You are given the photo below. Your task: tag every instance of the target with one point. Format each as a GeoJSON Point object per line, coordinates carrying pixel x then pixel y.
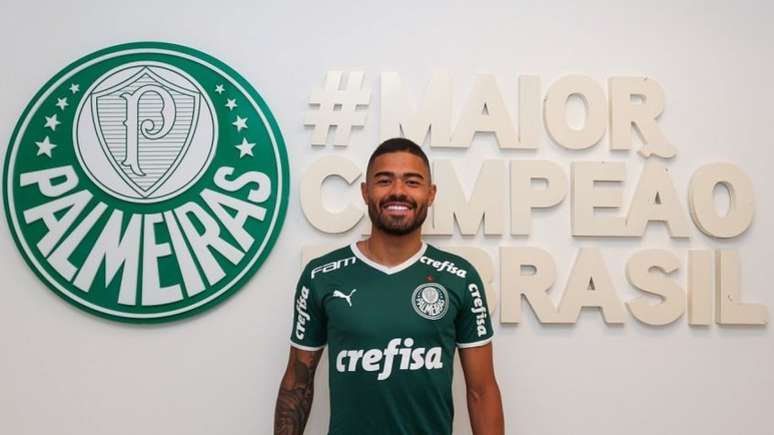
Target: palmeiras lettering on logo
{"type": "Point", "coordinates": [430, 301]}
{"type": "Point", "coordinates": [146, 182]}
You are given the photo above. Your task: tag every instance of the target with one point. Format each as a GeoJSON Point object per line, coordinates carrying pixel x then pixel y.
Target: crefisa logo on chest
{"type": "Point", "coordinates": [146, 182]}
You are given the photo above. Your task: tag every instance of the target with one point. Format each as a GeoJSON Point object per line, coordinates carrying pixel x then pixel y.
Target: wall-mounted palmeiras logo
{"type": "Point", "coordinates": [146, 182]}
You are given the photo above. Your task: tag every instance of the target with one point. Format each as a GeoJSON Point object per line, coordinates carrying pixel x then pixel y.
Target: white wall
{"type": "Point", "coordinates": [66, 372]}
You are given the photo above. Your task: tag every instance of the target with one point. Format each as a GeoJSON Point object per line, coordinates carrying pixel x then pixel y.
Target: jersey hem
{"type": "Point", "coordinates": [475, 343]}
{"type": "Point", "coordinates": [307, 348]}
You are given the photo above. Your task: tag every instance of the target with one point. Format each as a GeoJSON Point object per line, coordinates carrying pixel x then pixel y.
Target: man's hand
{"type": "Point", "coordinates": [484, 403]}
{"type": "Point", "coordinates": [296, 391]}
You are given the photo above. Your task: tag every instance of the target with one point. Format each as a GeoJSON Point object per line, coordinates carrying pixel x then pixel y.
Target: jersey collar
{"type": "Point", "coordinates": [388, 270]}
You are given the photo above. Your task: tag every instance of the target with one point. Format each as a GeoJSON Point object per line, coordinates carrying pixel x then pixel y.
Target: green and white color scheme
{"type": "Point", "coordinates": [146, 182]}
{"type": "Point", "coordinates": [391, 334]}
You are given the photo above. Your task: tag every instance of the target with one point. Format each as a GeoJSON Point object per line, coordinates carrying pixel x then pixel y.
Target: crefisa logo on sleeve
{"type": "Point", "coordinates": [146, 182]}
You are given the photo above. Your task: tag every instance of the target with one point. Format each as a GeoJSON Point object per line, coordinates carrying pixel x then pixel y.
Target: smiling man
{"type": "Point", "coordinates": [392, 311]}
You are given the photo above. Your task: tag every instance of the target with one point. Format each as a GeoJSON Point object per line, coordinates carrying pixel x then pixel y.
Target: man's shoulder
{"type": "Point", "coordinates": [450, 262]}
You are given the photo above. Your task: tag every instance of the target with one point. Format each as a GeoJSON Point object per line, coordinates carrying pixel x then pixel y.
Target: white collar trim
{"type": "Point", "coordinates": [386, 269]}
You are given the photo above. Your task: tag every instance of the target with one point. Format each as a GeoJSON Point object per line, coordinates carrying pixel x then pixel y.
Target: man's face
{"type": "Point", "coordinates": [398, 192]}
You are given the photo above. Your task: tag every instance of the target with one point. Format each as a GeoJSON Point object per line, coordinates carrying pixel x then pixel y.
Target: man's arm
{"type": "Point", "coordinates": [294, 400]}
{"type": "Point", "coordinates": [484, 403]}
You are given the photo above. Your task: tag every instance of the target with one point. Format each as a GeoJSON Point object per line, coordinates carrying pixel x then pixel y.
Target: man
{"type": "Point", "coordinates": [391, 310]}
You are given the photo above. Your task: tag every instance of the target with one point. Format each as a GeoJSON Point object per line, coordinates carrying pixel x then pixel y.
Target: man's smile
{"type": "Point", "coordinates": [397, 208]}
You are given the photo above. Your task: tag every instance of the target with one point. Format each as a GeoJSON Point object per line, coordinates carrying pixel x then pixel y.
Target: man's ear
{"type": "Point", "coordinates": [433, 190]}
{"type": "Point", "coordinates": [364, 192]}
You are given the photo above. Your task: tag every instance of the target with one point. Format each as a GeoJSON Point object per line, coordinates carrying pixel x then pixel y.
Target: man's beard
{"type": "Point", "coordinates": [396, 226]}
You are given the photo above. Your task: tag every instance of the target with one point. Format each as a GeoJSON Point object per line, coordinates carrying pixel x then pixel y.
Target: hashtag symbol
{"type": "Point", "coordinates": [334, 107]}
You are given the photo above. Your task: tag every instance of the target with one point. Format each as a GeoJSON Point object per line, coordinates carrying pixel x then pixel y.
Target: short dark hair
{"type": "Point", "coordinates": [395, 145]}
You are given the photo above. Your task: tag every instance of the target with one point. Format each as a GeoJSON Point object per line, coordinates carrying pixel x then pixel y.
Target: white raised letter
{"type": "Point", "coordinates": [433, 115]}
{"type": "Point", "coordinates": [589, 285]}
{"type": "Point", "coordinates": [640, 273]}
{"type": "Point", "coordinates": [316, 213]}
{"type": "Point", "coordinates": [45, 180]}
{"type": "Point", "coordinates": [701, 199]}
{"type": "Point", "coordinates": [73, 203]}
{"type": "Point", "coordinates": [555, 110]}
{"type": "Point", "coordinates": [116, 251]}
{"type": "Point", "coordinates": [485, 112]}
{"type": "Point", "coordinates": [487, 200]}
{"type": "Point", "coordinates": [586, 198]}
{"type": "Point", "coordinates": [655, 200]}
{"type": "Point", "coordinates": [524, 197]}
{"type": "Point", "coordinates": [152, 291]}
{"type": "Point", "coordinates": [202, 242]}
{"type": "Point", "coordinates": [60, 258]}
{"type": "Point", "coordinates": [728, 280]}
{"type": "Point", "coordinates": [514, 263]}
{"type": "Point", "coordinates": [626, 114]}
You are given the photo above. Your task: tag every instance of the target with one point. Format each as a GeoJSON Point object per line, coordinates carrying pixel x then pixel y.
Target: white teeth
{"type": "Point", "coordinates": [397, 207]}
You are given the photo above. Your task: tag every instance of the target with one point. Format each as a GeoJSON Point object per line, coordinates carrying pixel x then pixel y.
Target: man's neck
{"type": "Point", "coordinates": [389, 250]}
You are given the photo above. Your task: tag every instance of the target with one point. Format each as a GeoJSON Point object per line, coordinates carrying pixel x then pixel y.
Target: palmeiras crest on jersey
{"type": "Point", "coordinates": [430, 301]}
{"type": "Point", "coordinates": [146, 182]}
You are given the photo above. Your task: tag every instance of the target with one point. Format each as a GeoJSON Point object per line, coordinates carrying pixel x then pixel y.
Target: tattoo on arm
{"type": "Point", "coordinates": [294, 400]}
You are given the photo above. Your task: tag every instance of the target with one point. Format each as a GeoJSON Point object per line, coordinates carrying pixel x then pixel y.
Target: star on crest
{"type": "Point", "coordinates": [52, 122]}
{"type": "Point", "coordinates": [240, 123]}
{"type": "Point", "coordinates": [74, 88]}
{"type": "Point", "coordinates": [231, 103]}
{"type": "Point", "coordinates": [245, 148]}
{"type": "Point", "coordinates": [45, 146]}
{"type": "Point", "coordinates": [219, 89]}
{"type": "Point", "coordinates": [61, 103]}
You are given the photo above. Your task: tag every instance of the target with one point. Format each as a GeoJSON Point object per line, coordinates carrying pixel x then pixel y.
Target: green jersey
{"type": "Point", "coordinates": [391, 334]}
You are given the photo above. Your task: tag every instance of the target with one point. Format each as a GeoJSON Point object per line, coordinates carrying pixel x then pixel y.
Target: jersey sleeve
{"type": "Point", "coordinates": [473, 324]}
{"type": "Point", "coordinates": [309, 322]}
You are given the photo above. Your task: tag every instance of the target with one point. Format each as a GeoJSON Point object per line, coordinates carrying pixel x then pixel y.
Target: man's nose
{"type": "Point", "coordinates": [398, 188]}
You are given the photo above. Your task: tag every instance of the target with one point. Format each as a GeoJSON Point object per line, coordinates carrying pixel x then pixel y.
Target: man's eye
{"type": "Point", "coordinates": [413, 183]}
{"type": "Point", "coordinates": [383, 181]}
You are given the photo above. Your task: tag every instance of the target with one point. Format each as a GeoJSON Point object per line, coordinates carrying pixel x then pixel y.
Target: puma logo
{"type": "Point", "coordinates": [338, 294]}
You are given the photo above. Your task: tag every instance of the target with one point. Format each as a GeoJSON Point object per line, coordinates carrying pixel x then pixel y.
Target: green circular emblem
{"type": "Point", "coordinates": [430, 301]}
{"type": "Point", "coordinates": [146, 182]}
